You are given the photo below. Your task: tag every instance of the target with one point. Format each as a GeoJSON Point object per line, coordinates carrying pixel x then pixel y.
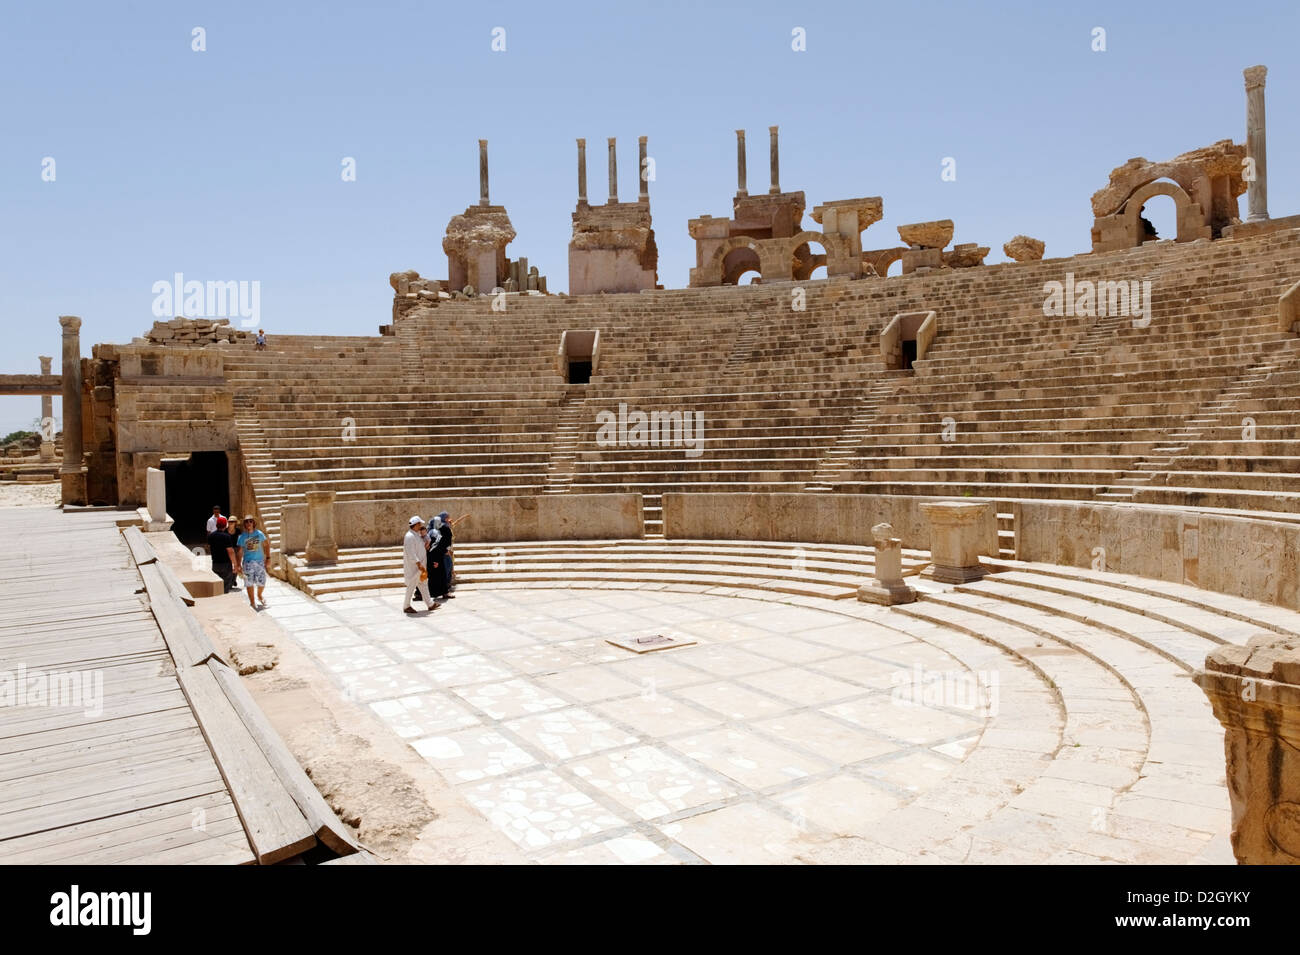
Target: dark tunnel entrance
{"type": "Point", "coordinates": [194, 485]}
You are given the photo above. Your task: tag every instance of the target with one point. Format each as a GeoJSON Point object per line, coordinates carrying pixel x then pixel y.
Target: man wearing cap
{"type": "Point", "coordinates": [222, 547]}
{"type": "Point", "coordinates": [251, 553]}
{"type": "Point", "coordinates": [415, 567]}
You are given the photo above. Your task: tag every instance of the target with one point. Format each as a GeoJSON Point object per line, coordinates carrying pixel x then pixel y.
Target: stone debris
{"type": "Point", "coordinates": [927, 235]}
{"type": "Point", "coordinates": [1023, 248]}
{"type": "Point", "coordinates": [194, 331]}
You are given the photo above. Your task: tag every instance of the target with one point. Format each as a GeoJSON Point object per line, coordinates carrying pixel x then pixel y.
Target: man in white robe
{"type": "Point", "coordinates": [415, 568]}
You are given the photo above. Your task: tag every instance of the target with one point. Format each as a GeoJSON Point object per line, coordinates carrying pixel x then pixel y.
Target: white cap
{"type": "Point", "coordinates": [417, 519]}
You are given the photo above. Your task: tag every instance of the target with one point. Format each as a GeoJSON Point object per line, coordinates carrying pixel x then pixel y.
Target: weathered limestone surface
{"type": "Point", "coordinates": [194, 331]}
{"type": "Point", "coordinates": [965, 256]}
{"type": "Point", "coordinates": [1023, 248]}
{"type": "Point", "coordinates": [1251, 558]}
{"type": "Point", "coordinates": [927, 235]}
{"type": "Point", "coordinates": [509, 518]}
{"type": "Point", "coordinates": [612, 249]}
{"type": "Point", "coordinates": [322, 546]}
{"type": "Point", "coordinates": [1220, 159]}
{"type": "Point", "coordinates": [820, 518]}
{"type": "Point", "coordinates": [957, 539]}
{"type": "Point", "coordinates": [1255, 692]}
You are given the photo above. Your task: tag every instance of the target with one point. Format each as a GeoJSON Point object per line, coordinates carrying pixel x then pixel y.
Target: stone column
{"type": "Point", "coordinates": [958, 535]}
{"type": "Point", "coordinates": [776, 164]}
{"type": "Point", "coordinates": [644, 195]}
{"type": "Point", "coordinates": [582, 172]}
{"type": "Point", "coordinates": [1257, 191]}
{"type": "Point", "coordinates": [1255, 693]}
{"type": "Point", "coordinates": [740, 163]}
{"type": "Point", "coordinates": [888, 587]}
{"type": "Point", "coordinates": [613, 172]}
{"type": "Point", "coordinates": [483, 174]}
{"type": "Point", "coordinates": [73, 473]}
{"type": "Point", "coordinates": [322, 547]}
{"type": "Point", "coordinates": [47, 415]}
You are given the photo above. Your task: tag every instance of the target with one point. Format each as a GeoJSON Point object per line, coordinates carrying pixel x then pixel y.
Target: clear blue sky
{"type": "Point", "coordinates": [225, 164]}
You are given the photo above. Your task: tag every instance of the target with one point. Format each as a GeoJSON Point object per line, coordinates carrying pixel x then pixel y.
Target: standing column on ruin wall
{"type": "Point", "coordinates": [644, 194]}
{"type": "Point", "coordinates": [582, 171]}
{"type": "Point", "coordinates": [73, 474]}
{"type": "Point", "coordinates": [740, 163]}
{"type": "Point", "coordinates": [47, 414]}
{"type": "Point", "coordinates": [776, 164]}
{"type": "Point", "coordinates": [483, 174]}
{"type": "Point", "coordinates": [1255, 148]}
{"type": "Point", "coordinates": [613, 172]}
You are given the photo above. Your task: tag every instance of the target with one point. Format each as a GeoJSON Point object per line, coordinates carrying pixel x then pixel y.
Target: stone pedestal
{"type": "Point", "coordinates": [322, 546]}
{"type": "Point", "coordinates": [887, 587]}
{"type": "Point", "coordinates": [957, 533]}
{"type": "Point", "coordinates": [1255, 693]}
{"type": "Point", "coordinates": [154, 513]}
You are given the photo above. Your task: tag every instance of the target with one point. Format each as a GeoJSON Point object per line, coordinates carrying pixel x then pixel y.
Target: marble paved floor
{"type": "Point", "coordinates": [783, 726]}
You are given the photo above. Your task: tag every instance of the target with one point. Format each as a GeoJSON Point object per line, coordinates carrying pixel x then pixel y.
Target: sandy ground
{"type": "Point", "coordinates": [401, 807]}
{"type": "Point", "coordinates": [13, 494]}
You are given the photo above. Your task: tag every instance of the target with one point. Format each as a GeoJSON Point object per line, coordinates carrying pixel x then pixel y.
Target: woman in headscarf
{"type": "Point", "coordinates": [439, 561]}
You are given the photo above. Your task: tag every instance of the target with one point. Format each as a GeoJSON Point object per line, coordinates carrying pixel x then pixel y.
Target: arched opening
{"type": "Point", "coordinates": [737, 262]}
{"type": "Point", "coordinates": [1160, 213]}
{"type": "Point", "coordinates": [749, 277]}
{"type": "Point", "coordinates": [895, 267]}
{"type": "Point", "coordinates": [808, 261]}
{"type": "Point", "coordinates": [194, 485]}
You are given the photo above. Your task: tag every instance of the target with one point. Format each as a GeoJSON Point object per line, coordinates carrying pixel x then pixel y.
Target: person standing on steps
{"type": "Point", "coordinates": [415, 567]}
{"type": "Point", "coordinates": [222, 547]}
{"type": "Point", "coordinates": [252, 551]}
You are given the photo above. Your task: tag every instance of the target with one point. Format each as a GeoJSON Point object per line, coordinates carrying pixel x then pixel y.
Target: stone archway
{"type": "Point", "coordinates": [1190, 219]}
{"type": "Point", "coordinates": [733, 258]}
{"type": "Point", "coordinates": [1123, 230]}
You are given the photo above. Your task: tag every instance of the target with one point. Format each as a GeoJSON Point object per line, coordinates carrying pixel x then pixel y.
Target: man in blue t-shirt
{"type": "Point", "coordinates": [251, 550]}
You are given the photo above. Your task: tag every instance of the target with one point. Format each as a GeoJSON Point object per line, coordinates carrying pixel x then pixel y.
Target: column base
{"type": "Point", "coordinates": [322, 554]}
{"type": "Point", "coordinates": [877, 592]}
{"type": "Point", "coordinates": [74, 487]}
{"type": "Point", "coordinates": [959, 575]}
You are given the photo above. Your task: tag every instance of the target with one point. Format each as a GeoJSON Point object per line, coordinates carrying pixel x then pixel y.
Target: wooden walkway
{"type": "Point", "coordinates": [127, 778]}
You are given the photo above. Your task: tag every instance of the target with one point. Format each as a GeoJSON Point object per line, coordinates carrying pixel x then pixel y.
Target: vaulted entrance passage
{"type": "Point", "coordinates": [578, 355]}
{"type": "Point", "coordinates": [906, 338]}
{"type": "Point", "coordinates": [194, 485]}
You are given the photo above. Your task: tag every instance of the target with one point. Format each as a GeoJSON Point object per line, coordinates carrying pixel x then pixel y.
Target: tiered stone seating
{"type": "Point", "coordinates": [1043, 418]}
{"type": "Point", "coordinates": [465, 400]}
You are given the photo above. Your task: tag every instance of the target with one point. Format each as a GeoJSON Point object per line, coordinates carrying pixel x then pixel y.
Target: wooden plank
{"type": "Point", "coordinates": [328, 828]}
{"type": "Point", "coordinates": [141, 552]}
{"type": "Point", "coordinates": [276, 827]}
{"type": "Point", "coordinates": [33, 743]}
{"type": "Point", "coordinates": [188, 644]}
{"type": "Point", "coordinates": [84, 842]}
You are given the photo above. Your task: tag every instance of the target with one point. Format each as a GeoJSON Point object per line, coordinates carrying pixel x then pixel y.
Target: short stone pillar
{"type": "Point", "coordinates": [887, 587]}
{"type": "Point", "coordinates": [47, 414]}
{"type": "Point", "coordinates": [322, 548]}
{"type": "Point", "coordinates": [153, 516]}
{"type": "Point", "coordinates": [73, 472]}
{"type": "Point", "coordinates": [957, 536]}
{"type": "Point", "coordinates": [1255, 693]}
